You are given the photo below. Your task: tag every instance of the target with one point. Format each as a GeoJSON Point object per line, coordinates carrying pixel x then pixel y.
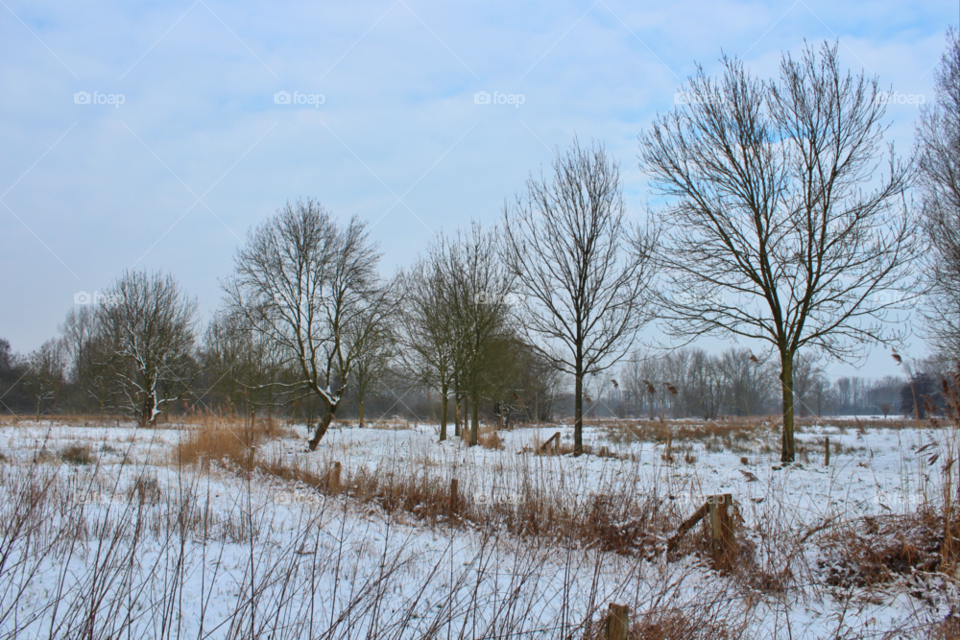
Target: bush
{"type": "Point", "coordinates": [79, 454]}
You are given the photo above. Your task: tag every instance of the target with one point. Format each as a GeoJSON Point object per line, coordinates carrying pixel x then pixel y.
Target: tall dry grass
{"type": "Point", "coordinates": [532, 547]}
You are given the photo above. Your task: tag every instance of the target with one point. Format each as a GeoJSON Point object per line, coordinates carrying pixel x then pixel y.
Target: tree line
{"type": "Point", "coordinates": [783, 219]}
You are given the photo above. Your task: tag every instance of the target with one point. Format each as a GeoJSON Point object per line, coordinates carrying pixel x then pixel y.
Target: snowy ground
{"type": "Point", "coordinates": [171, 552]}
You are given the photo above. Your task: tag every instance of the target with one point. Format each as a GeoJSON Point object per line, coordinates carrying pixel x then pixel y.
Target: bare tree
{"type": "Point", "coordinates": [938, 159]}
{"type": "Point", "coordinates": [76, 332]}
{"type": "Point", "coordinates": [482, 294]}
{"type": "Point", "coordinates": [809, 383]}
{"type": "Point", "coordinates": [242, 364]}
{"type": "Point", "coordinates": [780, 229]}
{"type": "Point", "coordinates": [707, 390]}
{"type": "Point", "coordinates": [751, 381]}
{"type": "Point", "coordinates": [148, 323]}
{"type": "Point", "coordinates": [312, 289]}
{"type": "Point", "coordinates": [428, 328]}
{"type": "Point", "coordinates": [45, 375]}
{"type": "Point", "coordinates": [375, 352]}
{"type": "Point", "coordinates": [584, 296]}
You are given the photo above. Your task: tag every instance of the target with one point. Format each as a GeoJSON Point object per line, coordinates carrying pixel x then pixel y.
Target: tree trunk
{"type": "Point", "coordinates": [443, 413]}
{"type": "Point", "coordinates": [361, 414]}
{"type": "Point", "coordinates": [475, 421]}
{"type": "Point", "coordinates": [578, 409]}
{"type": "Point", "coordinates": [456, 413]}
{"type": "Point", "coordinates": [322, 426]}
{"type": "Point", "coordinates": [786, 378]}
{"type": "Point", "coordinates": [148, 406]}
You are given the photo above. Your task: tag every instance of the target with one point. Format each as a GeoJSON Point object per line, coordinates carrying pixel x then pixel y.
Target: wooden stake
{"type": "Point", "coordinates": [554, 438]}
{"type": "Point", "coordinates": [721, 528]}
{"type": "Point", "coordinates": [698, 515]}
{"type": "Point", "coordinates": [333, 479]}
{"type": "Point", "coordinates": [454, 497]}
{"type": "Point", "coordinates": [618, 622]}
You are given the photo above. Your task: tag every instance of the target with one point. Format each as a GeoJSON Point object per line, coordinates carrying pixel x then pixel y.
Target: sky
{"type": "Point", "coordinates": [154, 135]}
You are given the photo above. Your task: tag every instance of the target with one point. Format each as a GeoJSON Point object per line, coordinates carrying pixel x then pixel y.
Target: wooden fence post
{"type": "Point", "coordinates": [618, 622]}
{"type": "Point", "coordinates": [826, 454]}
{"type": "Point", "coordinates": [721, 528]}
{"type": "Point", "coordinates": [554, 438]}
{"type": "Point", "coordinates": [454, 497]}
{"type": "Point", "coordinates": [333, 480]}
{"type": "Point", "coordinates": [688, 524]}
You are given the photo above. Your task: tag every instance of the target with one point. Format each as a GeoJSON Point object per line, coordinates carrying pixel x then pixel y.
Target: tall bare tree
{"type": "Point", "coordinates": [778, 208]}
{"type": "Point", "coordinates": [583, 276]}
{"type": "Point", "coordinates": [45, 375]}
{"type": "Point", "coordinates": [311, 287]}
{"type": "Point", "coordinates": [148, 323]}
{"type": "Point", "coordinates": [482, 295]}
{"type": "Point", "coordinates": [427, 334]}
{"type": "Point", "coordinates": [241, 364]}
{"type": "Point", "coordinates": [375, 353]}
{"type": "Point", "coordinates": [938, 160]}
{"type": "Point", "coordinates": [751, 380]}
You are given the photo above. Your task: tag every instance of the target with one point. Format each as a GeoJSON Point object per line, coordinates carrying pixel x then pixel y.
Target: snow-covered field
{"type": "Point", "coordinates": [123, 541]}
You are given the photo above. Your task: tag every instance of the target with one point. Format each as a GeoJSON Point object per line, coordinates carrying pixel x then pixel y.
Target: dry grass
{"type": "Point", "coordinates": [77, 454]}
{"type": "Point", "coordinates": [626, 516]}
{"type": "Point", "coordinates": [490, 439]}
{"type": "Point", "coordinates": [878, 550]}
{"type": "Point", "coordinates": [561, 448]}
{"type": "Point", "coordinates": [217, 439]}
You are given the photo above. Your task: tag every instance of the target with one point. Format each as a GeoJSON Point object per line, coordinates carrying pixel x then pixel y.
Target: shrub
{"type": "Point", "coordinates": [76, 453]}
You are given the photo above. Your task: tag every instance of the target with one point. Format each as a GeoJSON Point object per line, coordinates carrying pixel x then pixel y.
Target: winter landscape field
{"type": "Point", "coordinates": [109, 531]}
{"type": "Point", "coordinates": [420, 320]}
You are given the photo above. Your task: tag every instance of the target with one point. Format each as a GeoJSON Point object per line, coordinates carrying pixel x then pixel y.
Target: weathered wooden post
{"type": "Point", "coordinates": [618, 622]}
{"type": "Point", "coordinates": [454, 497]}
{"type": "Point", "coordinates": [721, 528]}
{"type": "Point", "coordinates": [554, 438]}
{"type": "Point", "coordinates": [333, 479]}
{"type": "Point", "coordinates": [826, 452]}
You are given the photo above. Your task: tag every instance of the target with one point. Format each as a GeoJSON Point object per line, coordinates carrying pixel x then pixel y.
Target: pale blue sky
{"type": "Point", "coordinates": [199, 151]}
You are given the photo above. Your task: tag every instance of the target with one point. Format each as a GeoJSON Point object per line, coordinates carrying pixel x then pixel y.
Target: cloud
{"type": "Point", "coordinates": [398, 117]}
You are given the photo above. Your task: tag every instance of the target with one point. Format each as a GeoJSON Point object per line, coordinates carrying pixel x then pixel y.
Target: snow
{"type": "Point", "coordinates": [332, 565]}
